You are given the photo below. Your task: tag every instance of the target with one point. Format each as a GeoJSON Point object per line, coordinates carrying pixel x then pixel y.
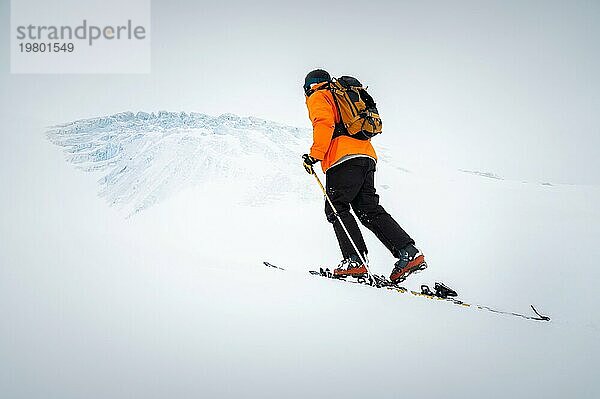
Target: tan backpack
{"type": "Point", "coordinates": [357, 109]}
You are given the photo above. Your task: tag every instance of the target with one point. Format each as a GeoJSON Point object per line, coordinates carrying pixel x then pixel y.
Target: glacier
{"type": "Point", "coordinates": [142, 158]}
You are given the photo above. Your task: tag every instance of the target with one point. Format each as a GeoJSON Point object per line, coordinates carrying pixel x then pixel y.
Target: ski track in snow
{"type": "Point", "coordinates": [143, 158]}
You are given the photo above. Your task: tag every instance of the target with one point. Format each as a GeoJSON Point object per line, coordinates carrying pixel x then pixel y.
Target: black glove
{"type": "Point", "coordinates": [308, 163]}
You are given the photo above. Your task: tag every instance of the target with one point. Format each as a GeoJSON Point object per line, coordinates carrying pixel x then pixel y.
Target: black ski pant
{"type": "Point", "coordinates": [352, 184]}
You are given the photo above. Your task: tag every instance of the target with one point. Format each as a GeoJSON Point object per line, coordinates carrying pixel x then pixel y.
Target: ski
{"type": "Point", "coordinates": [440, 292]}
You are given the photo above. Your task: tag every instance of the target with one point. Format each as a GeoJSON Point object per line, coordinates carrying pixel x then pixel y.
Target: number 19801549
{"type": "Point", "coordinates": [46, 47]}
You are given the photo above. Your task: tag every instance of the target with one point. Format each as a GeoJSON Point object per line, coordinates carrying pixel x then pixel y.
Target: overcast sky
{"type": "Point", "coordinates": [505, 86]}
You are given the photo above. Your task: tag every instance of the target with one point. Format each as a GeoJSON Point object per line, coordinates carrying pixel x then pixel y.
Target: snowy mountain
{"type": "Point", "coordinates": [143, 158]}
{"type": "Point", "coordinates": [140, 159]}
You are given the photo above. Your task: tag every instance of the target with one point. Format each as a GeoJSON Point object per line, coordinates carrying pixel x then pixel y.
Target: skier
{"type": "Point", "coordinates": [349, 167]}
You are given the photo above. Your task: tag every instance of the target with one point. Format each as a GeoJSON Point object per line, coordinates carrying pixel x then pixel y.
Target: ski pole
{"type": "Point", "coordinates": [362, 259]}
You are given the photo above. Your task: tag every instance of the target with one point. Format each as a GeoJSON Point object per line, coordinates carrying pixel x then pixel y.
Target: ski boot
{"type": "Point", "coordinates": [352, 266]}
{"type": "Point", "coordinates": [410, 260]}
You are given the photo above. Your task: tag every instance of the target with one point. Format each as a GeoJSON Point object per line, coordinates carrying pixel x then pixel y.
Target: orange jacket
{"type": "Point", "coordinates": [323, 114]}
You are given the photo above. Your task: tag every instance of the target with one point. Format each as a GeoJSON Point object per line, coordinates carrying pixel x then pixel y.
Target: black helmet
{"type": "Point", "coordinates": [316, 76]}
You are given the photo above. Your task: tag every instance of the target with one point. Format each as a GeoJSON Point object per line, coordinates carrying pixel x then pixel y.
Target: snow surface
{"type": "Point", "coordinates": [175, 303]}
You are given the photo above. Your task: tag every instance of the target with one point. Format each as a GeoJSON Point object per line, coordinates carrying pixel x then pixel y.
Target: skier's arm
{"type": "Point", "coordinates": [320, 112]}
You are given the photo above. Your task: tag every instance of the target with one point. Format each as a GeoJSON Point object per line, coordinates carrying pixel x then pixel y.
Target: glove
{"type": "Point", "coordinates": [308, 163]}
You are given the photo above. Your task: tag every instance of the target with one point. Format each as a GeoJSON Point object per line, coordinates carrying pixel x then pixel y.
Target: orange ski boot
{"type": "Point", "coordinates": [352, 267]}
{"type": "Point", "coordinates": [410, 260]}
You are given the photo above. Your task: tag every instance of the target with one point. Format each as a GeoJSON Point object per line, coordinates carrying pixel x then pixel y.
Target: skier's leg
{"type": "Point", "coordinates": [343, 184]}
{"type": "Point", "coordinates": [374, 217]}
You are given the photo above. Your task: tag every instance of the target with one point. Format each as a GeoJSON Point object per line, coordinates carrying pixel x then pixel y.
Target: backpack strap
{"type": "Point", "coordinates": [340, 128]}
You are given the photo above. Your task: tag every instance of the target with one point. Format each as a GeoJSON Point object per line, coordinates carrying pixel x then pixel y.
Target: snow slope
{"type": "Point", "coordinates": [174, 302]}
